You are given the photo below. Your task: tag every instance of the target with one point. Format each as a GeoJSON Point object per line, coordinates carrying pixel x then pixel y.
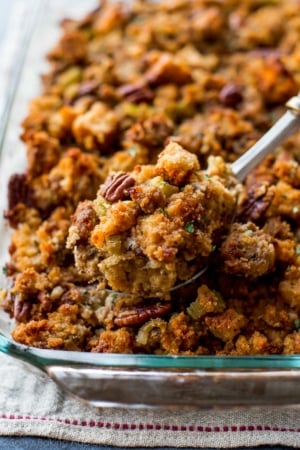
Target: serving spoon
{"type": "Point", "coordinates": [282, 129]}
{"type": "Point", "coordinates": [285, 127]}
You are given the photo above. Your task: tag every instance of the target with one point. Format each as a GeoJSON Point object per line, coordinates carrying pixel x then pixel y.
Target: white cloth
{"type": "Point", "coordinates": [31, 404]}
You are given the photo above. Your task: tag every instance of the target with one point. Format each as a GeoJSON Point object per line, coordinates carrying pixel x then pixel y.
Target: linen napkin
{"type": "Point", "coordinates": [31, 404]}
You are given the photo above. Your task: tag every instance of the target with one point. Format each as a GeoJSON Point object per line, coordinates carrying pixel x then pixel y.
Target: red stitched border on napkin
{"type": "Point", "coordinates": [147, 426]}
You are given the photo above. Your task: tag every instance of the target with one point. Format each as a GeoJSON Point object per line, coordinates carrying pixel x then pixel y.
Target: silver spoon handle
{"type": "Point", "coordinates": [280, 131]}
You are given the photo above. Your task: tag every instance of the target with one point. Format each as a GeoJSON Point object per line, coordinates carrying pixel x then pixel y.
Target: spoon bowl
{"type": "Point", "coordinates": [283, 128]}
{"type": "Point", "coordinates": [170, 207]}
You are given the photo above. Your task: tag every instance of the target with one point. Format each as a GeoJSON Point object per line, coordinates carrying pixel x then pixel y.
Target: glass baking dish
{"type": "Point", "coordinates": [114, 379]}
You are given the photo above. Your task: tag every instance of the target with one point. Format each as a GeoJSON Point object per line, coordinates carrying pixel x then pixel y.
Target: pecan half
{"type": "Point", "coordinates": [87, 88]}
{"type": "Point", "coordinates": [18, 191]}
{"type": "Point", "coordinates": [116, 187]}
{"type": "Point", "coordinates": [139, 314]}
{"type": "Point", "coordinates": [85, 219]}
{"type": "Point", "coordinates": [21, 309]}
{"type": "Point", "coordinates": [256, 204]}
{"type": "Point", "coordinates": [231, 95]}
{"type": "Point", "coordinates": [45, 300]}
{"type": "Point", "coordinates": [136, 93]}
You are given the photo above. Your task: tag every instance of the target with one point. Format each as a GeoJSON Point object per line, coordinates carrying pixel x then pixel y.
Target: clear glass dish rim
{"type": "Point", "coordinates": [44, 357]}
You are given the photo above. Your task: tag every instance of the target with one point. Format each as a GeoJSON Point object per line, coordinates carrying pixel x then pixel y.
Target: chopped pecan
{"type": "Point", "coordinates": [139, 314]}
{"type": "Point", "coordinates": [71, 296]}
{"type": "Point", "coordinates": [45, 300]}
{"type": "Point", "coordinates": [21, 309]}
{"type": "Point", "coordinates": [256, 204]}
{"type": "Point", "coordinates": [85, 219]}
{"type": "Point", "coordinates": [18, 191]}
{"type": "Point", "coordinates": [136, 93]}
{"type": "Point", "coordinates": [116, 187]}
{"type": "Point", "coordinates": [87, 87]}
{"type": "Point", "coordinates": [231, 95]}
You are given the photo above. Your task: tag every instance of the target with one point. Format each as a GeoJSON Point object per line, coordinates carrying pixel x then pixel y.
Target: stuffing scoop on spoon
{"type": "Point", "coordinates": [152, 231]}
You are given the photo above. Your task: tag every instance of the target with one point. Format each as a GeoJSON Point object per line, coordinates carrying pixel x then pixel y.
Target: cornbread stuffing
{"type": "Point", "coordinates": [154, 226]}
{"type": "Point", "coordinates": [128, 185]}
